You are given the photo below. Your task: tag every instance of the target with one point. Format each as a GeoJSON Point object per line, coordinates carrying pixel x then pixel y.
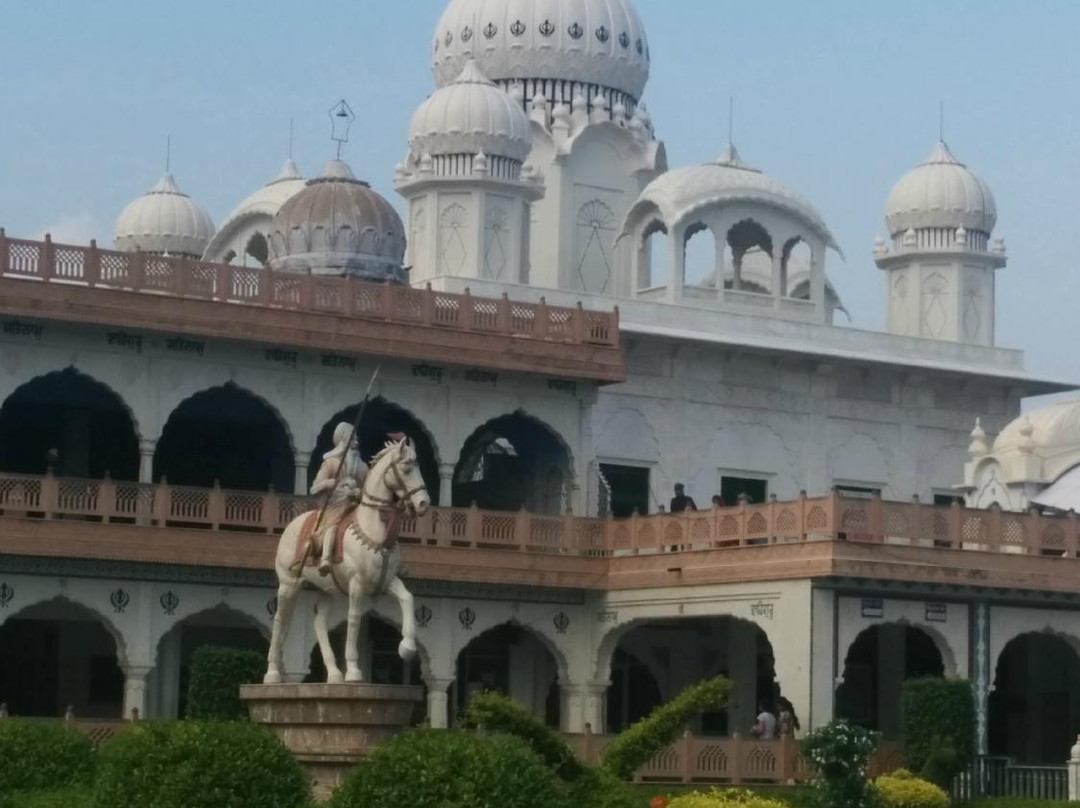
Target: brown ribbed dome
{"type": "Point", "coordinates": [338, 225]}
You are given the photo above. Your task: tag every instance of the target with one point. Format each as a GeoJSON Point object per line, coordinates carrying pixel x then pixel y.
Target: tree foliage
{"type": "Point", "coordinates": [216, 677]}
{"type": "Point", "coordinates": [37, 755]}
{"type": "Point", "coordinates": [938, 727]}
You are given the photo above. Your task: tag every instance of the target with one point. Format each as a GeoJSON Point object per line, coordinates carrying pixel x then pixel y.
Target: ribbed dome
{"type": "Point", "coordinates": [1045, 431]}
{"type": "Point", "coordinates": [943, 193]}
{"type": "Point", "coordinates": [337, 225]}
{"type": "Point", "coordinates": [470, 116]}
{"type": "Point", "coordinates": [683, 191]}
{"type": "Point", "coordinates": [164, 220]}
{"type": "Point", "coordinates": [594, 42]}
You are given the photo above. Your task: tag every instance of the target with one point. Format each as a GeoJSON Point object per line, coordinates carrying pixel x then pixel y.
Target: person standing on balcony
{"type": "Point", "coordinates": [765, 728]}
{"type": "Point", "coordinates": [787, 723]}
{"type": "Point", "coordinates": [681, 502]}
{"type": "Point", "coordinates": [342, 486]}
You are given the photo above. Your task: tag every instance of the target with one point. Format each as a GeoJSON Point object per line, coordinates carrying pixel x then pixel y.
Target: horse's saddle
{"type": "Point", "coordinates": [309, 548]}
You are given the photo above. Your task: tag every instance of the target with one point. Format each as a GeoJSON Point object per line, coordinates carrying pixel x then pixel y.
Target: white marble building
{"type": "Point", "coordinates": [534, 171]}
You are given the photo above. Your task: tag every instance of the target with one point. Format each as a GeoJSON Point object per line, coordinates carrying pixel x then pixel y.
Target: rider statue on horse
{"type": "Point", "coordinates": [341, 479]}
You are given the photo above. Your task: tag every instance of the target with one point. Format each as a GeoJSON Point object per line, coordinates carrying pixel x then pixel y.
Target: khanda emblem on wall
{"type": "Point", "coordinates": [562, 622]}
{"type": "Point", "coordinates": [119, 600]}
{"type": "Point", "coordinates": [468, 618]}
{"type": "Point", "coordinates": [7, 594]}
{"type": "Point", "coordinates": [170, 602]}
{"type": "Point", "coordinates": [424, 615]}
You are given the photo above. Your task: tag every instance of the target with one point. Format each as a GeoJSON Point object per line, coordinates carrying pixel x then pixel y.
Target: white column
{"type": "Point", "coordinates": [678, 266]}
{"type": "Point", "coordinates": [302, 462]}
{"type": "Point", "coordinates": [438, 702]}
{"type": "Point", "coordinates": [147, 447]}
{"type": "Point", "coordinates": [778, 271]}
{"type": "Point", "coordinates": [817, 279]}
{"type": "Point", "coordinates": [446, 485]}
{"type": "Point", "coordinates": [823, 661]}
{"type": "Point", "coordinates": [595, 706]}
{"type": "Point", "coordinates": [135, 691]}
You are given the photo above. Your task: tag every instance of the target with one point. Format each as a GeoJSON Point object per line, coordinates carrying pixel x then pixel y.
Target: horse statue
{"type": "Point", "coordinates": [370, 557]}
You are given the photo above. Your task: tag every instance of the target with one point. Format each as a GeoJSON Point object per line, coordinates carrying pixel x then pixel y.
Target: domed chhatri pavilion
{"type": "Point", "coordinates": [565, 329]}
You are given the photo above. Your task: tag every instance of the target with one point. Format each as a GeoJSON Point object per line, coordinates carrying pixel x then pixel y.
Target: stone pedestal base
{"type": "Point", "coordinates": [330, 727]}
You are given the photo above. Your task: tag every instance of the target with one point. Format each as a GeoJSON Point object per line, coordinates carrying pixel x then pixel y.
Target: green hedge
{"type": "Point", "coordinates": [638, 743]}
{"type": "Point", "coordinates": [938, 727]}
{"type": "Point", "coordinates": [197, 764]}
{"type": "Point", "coordinates": [216, 677]}
{"type": "Point", "coordinates": [36, 755]}
{"type": "Point", "coordinates": [452, 769]}
{"type": "Point", "coordinates": [71, 797]}
{"type": "Point", "coordinates": [902, 789]}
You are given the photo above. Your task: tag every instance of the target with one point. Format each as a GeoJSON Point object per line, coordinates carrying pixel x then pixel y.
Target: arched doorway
{"type": "Point", "coordinates": [656, 660]}
{"type": "Point", "coordinates": [72, 423]}
{"type": "Point", "coordinates": [219, 626]}
{"type": "Point", "coordinates": [56, 655]}
{"type": "Point", "coordinates": [379, 658]}
{"type": "Point", "coordinates": [513, 462]}
{"type": "Point", "coordinates": [878, 663]}
{"type": "Point", "coordinates": [1034, 708]}
{"type": "Point", "coordinates": [229, 435]}
{"type": "Point", "coordinates": [511, 660]}
{"type": "Point", "coordinates": [382, 418]}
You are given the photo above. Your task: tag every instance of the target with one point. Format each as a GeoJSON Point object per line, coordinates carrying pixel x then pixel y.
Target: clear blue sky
{"type": "Point", "coordinates": [837, 99]}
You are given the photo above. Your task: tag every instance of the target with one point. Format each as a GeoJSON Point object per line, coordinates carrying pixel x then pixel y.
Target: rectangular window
{"type": "Point", "coordinates": [629, 488]}
{"type": "Point", "coordinates": [948, 499]}
{"type": "Point", "coordinates": [858, 491]}
{"type": "Point", "coordinates": [731, 488]}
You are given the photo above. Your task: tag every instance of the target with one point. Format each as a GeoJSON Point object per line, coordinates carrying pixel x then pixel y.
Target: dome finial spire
{"type": "Point", "coordinates": [941, 120]}
{"type": "Point", "coordinates": [168, 152]}
{"type": "Point", "coordinates": [341, 121]}
{"type": "Point", "coordinates": [731, 122]}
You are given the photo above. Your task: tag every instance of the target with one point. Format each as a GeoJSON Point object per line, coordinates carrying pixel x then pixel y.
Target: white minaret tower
{"type": "Point", "coordinates": [940, 264]}
{"type": "Point", "coordinates": [468, 190]}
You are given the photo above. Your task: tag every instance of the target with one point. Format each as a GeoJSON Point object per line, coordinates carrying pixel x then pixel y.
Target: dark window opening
{"type": "Point", "coordinates": [628, 487]}
{"type": "Point", "coordinates": [732, 488]}
{"type": "Point", "coordinates": [858, 491]}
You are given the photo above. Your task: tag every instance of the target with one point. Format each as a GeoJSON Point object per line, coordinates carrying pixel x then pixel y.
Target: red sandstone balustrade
{"type": "Point", "coordinates": [832, 517]}
{"type": "Point", "coordinates": [181, 277]}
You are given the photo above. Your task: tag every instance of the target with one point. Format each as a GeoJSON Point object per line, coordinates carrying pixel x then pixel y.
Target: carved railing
{"type": "Point", "coordinates": [832, 517]}
{"type": "Point", "coordinates": [256, 286]}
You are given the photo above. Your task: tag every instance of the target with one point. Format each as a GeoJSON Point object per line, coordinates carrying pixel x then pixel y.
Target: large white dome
{"type": "Point", "coordinates": [941, 192]}
{"type": "Point", "coordinates": [470, 116]}
{"type": "Point", "coordinates": [164, 220]}
{"type": "Point", "coordinates": [596, 43]}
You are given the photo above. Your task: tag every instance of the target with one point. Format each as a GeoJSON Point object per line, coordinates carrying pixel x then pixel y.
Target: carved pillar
{"type": "Point", "coordinates": [438, 702]}
{"type": "Point", "coordinates": [981, 662]}
{"type": "Point", "coordinates": [446, 485]}
{"type": "Point", "coordinates": [596, 706]}
{"type": "Point", "coordinates": [302, 462]}
{"type": "Point", "coordinates": [778, 289]}
{"type": "Point", "coordinates": [147, 448]}
{"type": "Point", "coordinates": [135, 691]}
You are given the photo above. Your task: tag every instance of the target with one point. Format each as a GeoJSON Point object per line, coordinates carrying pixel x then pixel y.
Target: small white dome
{"type": "Point", "coordinates": [338, 225]}
{"type": "Point", "coordinates": [470, 116]}
{"type": "Point", "coordinates": [682, 192]}
{"type": "Point", "coordinates": [164, 220]}
{"type": "Point", "coordinates": [592, 42]}
{"type": "Point", "coordinates": [262, 206]}
{"type": "Point", "coordinates": [941, 192]}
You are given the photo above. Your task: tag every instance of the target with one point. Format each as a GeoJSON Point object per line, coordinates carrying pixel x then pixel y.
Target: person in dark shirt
{"type": "Point", "coordinates": [681, 502]}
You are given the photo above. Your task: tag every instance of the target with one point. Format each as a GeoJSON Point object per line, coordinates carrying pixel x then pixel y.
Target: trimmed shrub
{"type": "Point", "coordinates": [839, 754]}
{"type": "Point", "coordinates": [725, 798]}
{"type": "Point", "coordinates": [216, 676]}
{"type": "Point", "coordinates": [638, 743]}
{"type": "Point", "coordinates": [600, 788]}
{"type": "Point", "coordinates": [71, 797]}
{"type": "Point", "coordinates": [494, 712]}
{"type": "Point", "coordinates": [938, 727]}
{"type": "Point", "coordinates": [902, 789]}
{"type": "Point", "coordinates": [197, 764]}
{"type": "Point", "coordinates": [451, 769]}
{"type": "Point", "coordinates": [36, 755]}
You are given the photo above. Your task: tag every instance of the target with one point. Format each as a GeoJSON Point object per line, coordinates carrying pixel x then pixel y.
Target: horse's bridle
{"type": "Point", "coordinates": [403, 494]}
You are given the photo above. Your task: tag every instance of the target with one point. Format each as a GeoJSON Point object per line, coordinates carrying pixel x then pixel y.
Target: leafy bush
{"type": "Point", "coordinates": [71, 797]}
{"type": "Point", "coordinates": [638, 743]}
{"type": "Point", "coordinates": [725, 798]}
{"type": "Point", "coordinates": [38, 755]}
{"type": "Point", "coordinates": [216, 676]}
{"type": "Point", "coordinates": [902, 789]}
{"type": "Point", "coordinates": [938, 727]}
{"type": "Point", "coordinates": [451, 769]}
{"type": "Point", "coordinates": [197, 764]}
{"type": "Point", "coordinates": [600, 788]}
{"type": "Point", "coordinates": [839, 753]}
{"type": "Point", "coordinates": [1020, 802]}
{"type": "Point", "coordinates": [493, 712]}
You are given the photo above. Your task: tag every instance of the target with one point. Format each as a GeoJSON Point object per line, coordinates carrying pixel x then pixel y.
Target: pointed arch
{"type": "Point", "coordinates": [227, 434]}
{"type": "Point", "coordinates": [90, 426]}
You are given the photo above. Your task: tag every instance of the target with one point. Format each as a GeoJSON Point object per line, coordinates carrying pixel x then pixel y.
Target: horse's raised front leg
{"type": "Point", "coordinates": [322, 616]}
{"type": "Point", "coordinates": [286, 599]}
{"type": "Point", "coordinates": [407, 648]}
{"type": "Point", "coordinates": [353, 673]}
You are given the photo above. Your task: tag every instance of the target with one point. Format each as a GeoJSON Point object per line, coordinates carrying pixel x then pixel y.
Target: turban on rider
{"type": "Point", "coordinates": [342, 433]}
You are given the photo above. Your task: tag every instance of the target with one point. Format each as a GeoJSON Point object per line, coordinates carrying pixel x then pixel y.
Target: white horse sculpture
{"type": "Point", "coordinates": [371, 557]}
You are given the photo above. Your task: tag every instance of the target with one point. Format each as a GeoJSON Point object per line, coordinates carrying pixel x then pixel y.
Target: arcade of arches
{"type": "Point", "coordinates": [71, 423]}
{"type": "Point", "coordinates": [878, 663]}
{"type": "Point", "coordinates": [381, 419]}
{"type": "Point", "coordinates": [511, 463]}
